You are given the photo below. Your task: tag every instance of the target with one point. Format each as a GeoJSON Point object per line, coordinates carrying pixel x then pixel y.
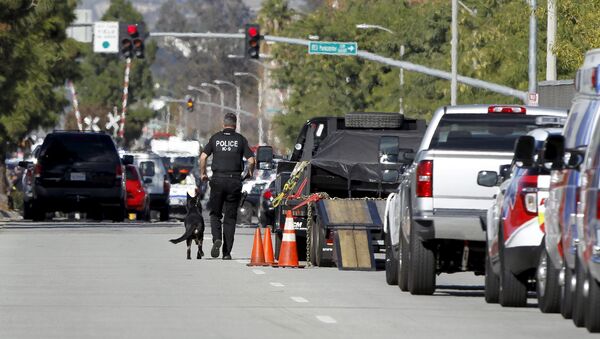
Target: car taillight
{"type": "Point", "coordinates": [267, 195]}
{"type": "Point", "coordinates": [184, 171]}
{"type": "Point", "coordinates": [528, 188]}
{"type": "Point", "coordinates": [166, 185]}
{"type": "Point", "coordinates": [507, 109]}
{"type": "Point", "coordinates": [37, 170]}
{"type": "Point", "coordinates": [425, 179]}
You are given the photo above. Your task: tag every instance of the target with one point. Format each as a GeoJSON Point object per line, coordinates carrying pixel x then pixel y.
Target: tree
{"type": "Point", "coordinates": [36, 57]}
{"type": "Point", "coordinates": [101, 87]}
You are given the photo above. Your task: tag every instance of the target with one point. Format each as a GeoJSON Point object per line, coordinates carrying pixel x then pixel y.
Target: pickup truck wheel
{"type": "Point", "coordinates": [579, 299]}
{"type": "Point", "coordinates": [317, 244]}
{"type": "Point", "coordinates": [566, 293]}
{"type": "Point", "coordinates": [404, 262]}
{"type": "Point", "coordinates": [391, 262]}
{"type": "Point", "coordinates": [492, 282]}
{"type": "Point", "coordinates": [592, 314]}
{"type": "Point", "coordinates": [548, 289]}
{"type": "Point", "coordinates": [421, 273]}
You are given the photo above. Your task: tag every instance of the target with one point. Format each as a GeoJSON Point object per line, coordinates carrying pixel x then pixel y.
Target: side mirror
{"type": "Point", "coordinates": [487, 178]}
{"type": "Point", "coordinates": [553, 152]}
{"type": "Point", "coordinates": [575, 158]}
{"type": "Point", "coordinates": [524, 151]}
{"type": "Point", "coordinates": [25, 164]}
{"type": "Point", "coordinates": [409, 156]}
{"type": "Point", "coordinates": [264, 157]}
{"type": "Point", "coordinates": [128, 160]}
{"type": "Point", "coordinates": [504, 171]}
{"type": "Point", "coordinates": [148, 181]}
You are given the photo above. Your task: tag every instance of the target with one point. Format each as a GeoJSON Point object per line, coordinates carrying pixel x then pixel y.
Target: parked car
{"type": "Point", "coordinates": [441, 206]}
{"type": "Point", "coordinates": [78, 171]}
{"type": "Point", "coordinates": [137, 201]}
{"type": "Point", "coordinates": [156, 181]}
{"type": "Point", "coordinates": [514, 232]}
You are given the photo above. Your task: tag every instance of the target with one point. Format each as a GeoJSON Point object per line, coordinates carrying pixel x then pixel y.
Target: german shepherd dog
{"type": "Point", "coordinates": [194, 224]}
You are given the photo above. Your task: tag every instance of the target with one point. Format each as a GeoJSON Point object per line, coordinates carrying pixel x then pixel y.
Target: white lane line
{"type": "Point", "coordinates": [259, 272]}
{"type": "Point", "coordinates": [299, 299]}
{"type": "Point", "coordinates": [277, 284]}
{"type": "Point", "coordinates": [326, 319]}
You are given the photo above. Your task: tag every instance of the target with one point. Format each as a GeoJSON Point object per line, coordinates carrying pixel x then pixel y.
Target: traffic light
{"type": "Point", "coordinates": [190, 105]}
{"type": "Point", "coordinates": [132, 40]}
{"type": "Point", "coordinates": [253, 40]}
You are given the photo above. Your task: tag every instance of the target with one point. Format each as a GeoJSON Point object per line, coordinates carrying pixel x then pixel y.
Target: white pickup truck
{"type": "Point", "coordinates": [435, 222]}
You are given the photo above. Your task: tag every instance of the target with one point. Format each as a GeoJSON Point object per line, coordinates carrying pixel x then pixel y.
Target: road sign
{"type": "Point", "coordinates": [91, 123]}
{"type": "Point", "coordinates": [106, 37]}
{"type": "Point", "coordinates": [113, 122]}
{"type": "Point", "coordinates": [332, 48]}
{"type": "Point", "coordinates": [534, 99]}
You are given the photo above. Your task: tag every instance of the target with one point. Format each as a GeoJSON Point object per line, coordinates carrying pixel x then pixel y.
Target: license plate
{"type": "Point", "coordinates": [76, 176]}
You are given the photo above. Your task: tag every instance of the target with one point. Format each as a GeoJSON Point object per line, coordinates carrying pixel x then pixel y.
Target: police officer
{"type": "Point", "coordinates": [227, 148]}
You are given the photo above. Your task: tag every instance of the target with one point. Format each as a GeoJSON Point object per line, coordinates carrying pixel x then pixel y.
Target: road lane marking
{"type": "Point", "coordinates": [299, 299]}
{"type": "Point", "coordinates": [326, 319]}
{"type": "Point", "coordinates": [277, 284]}
{"type": "Point", "coordinates": [259, 272]}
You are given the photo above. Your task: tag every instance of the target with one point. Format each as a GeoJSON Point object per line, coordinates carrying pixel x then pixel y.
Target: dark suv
{"type": "Point", "coordinates": [78, 171]}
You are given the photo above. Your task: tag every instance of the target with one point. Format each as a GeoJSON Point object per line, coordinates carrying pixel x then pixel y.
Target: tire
{"type": "Point", "coordinates": [404, 263]}
{"type": "Point", "coordinates": [492, 282]}
{"type": "Point", "coordinates": [566, 294]}
{"type": "Point", "coordinates": [37, 213]}
{"type": "Point", "coordinates": [592, 313]}
{"type": "Point", "coordinates": [118, 214]}
{"type": "Point", "coordinates": [373, 120]}
{"type": "Point", "coordinates": [164, 214]}
{"type": "Point", "coordinates": [278, 239]}
{"type": "Point", "coordinates": [27, 210]}
{"type": "Point", "coordinates": [579, 300]}
{"type": "Point", "coordinates": [547, 287]}
{"type": "Point", "coordinates": [421, 272]}
{"type": "Point", "coordinates": [391, 262]}
{"type": "Point", "coordinates": [317, 244]}
{"type": "Point", "coordinates": [513, 289]}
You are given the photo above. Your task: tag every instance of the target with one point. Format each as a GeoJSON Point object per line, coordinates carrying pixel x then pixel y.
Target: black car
{"type": "Point", "coordinates": [78, 171]}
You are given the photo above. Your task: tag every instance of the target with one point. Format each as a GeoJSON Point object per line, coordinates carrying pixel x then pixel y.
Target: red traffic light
{"type": "Point", "coordinates": [132, 30]}
{"type": "Point", "coordinates": [252, 31]}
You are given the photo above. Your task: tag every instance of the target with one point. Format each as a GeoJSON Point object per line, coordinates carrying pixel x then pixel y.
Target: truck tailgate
{"type": "Point", "coordinates": [455, 178]}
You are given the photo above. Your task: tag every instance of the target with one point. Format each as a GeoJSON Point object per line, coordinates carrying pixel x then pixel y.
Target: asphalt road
{"type": "Point", "coordinates": [94, 280]}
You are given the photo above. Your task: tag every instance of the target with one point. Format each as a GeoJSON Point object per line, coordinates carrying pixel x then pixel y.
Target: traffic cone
{"type": "Point", "coordinates": [288, 254]}
{"type": "Point", "coordinates": [268, 247]}
{"type": "Point", "coordinates": [258, 255]}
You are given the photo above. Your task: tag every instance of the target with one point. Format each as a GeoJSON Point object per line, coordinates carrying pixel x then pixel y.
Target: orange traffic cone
{"type": "Point", "coordinates": [268, 247]}
{"type": "Point", "coordinates": [258, 255]}
{"type": "Point", "coordinates": [288, 254]}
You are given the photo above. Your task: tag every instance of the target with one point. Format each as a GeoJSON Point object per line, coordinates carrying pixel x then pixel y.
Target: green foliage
{"type": "Point", "coordinates": [36, 59]}
{"type": "Point", "coordinates": [493, 46]}
{"type": "Point", "coordinates": [101, 87]}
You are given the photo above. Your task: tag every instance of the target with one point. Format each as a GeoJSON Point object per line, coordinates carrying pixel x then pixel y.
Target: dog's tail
{"type": "Point", "coordinates": [188, 233]}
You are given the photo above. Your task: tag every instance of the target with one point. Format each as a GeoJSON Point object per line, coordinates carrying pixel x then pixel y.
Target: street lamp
{"type": "Point", "coordinates": [400, 100]}
{"type": "Point", "coordinates": [237, 98]}
{"type": "Point", "coordinates": [221, 95]}
{"type": "Point", "coordinates": [260, 115]}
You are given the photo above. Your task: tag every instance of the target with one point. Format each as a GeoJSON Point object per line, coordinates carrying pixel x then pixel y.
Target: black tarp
{"type": "Point", "coordinates": [354, 155]}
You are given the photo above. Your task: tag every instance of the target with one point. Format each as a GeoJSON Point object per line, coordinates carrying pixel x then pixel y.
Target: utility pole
{"type": "Point", "coordinates": [532, 50]}
{"type": "Point", "coordinates": [550, 56]}
{"type": "Point", "coordinates": [401, 101]}
{"type": "Point", "coordinates": [454, 54]}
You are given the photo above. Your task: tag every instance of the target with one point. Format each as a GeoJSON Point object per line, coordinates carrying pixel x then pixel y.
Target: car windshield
{"type": "Point", "coordinates": [481, 132]}
{"type": "Point", "coordinates": [79, 148]}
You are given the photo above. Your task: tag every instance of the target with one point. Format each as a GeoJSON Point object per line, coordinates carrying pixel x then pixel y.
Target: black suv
{"type": "Point", "coordinates": [78, 171]}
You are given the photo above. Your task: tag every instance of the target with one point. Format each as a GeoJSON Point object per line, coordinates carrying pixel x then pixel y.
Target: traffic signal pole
{"type": "Point", "coordinates": [409, 66]}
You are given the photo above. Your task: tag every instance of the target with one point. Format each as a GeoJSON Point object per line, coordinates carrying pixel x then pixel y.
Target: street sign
{"type": "Point", "coordinates": [332, 48]}
{"type": "Point", "coordinates": [534, 99]}
{"type": "Point", "coordinates": [106, 37]}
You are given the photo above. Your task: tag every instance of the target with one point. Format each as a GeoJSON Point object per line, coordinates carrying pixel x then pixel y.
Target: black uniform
{"type": "Point", "coordinates": [227, 148]}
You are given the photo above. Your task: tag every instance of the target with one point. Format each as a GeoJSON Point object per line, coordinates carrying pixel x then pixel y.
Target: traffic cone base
{"type": "Point", "coordinates": [257, 258]}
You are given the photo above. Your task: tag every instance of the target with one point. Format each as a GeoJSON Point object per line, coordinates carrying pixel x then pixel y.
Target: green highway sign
{"type": "Point", "coordinates": [332, 48]}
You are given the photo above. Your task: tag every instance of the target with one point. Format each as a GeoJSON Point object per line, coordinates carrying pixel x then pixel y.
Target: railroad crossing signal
{"type": "Point", "coordinates": [253, 40]}
{"type": "Point", "coordinates": [113, 122]}
{"type": "Point", "coordinates": [91, 123]}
